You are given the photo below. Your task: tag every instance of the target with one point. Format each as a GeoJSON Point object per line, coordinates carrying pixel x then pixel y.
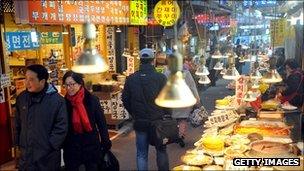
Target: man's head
{"type": "Point", "coordinates": [36, 77]}
{"type": "Point", "coordinates": [146, 56]}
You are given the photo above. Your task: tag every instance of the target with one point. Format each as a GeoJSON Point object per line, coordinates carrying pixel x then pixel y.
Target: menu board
{"type": "Point", "coordinates": [78, 11]}
{"type": "Point", "coordinates": [166, 12]}
{"type": "Point", "coordinates": [138, 12]}
{"type": "Point", "coordinates": [51, 38]}
{"type": "Point", "coordinates": [277, 31]}
{"type": "Point", "coordinates": [110, 32]}
{"type": "Point", "coordinates": [5, 80]}
{"type": "Point", "coordinates": [21, 40]}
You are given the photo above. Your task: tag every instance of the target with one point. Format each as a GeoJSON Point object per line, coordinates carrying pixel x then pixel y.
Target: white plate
{"type": "Point", "coordinates": [289, 107]}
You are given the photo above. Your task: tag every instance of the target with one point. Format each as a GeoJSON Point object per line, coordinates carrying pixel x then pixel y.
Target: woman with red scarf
{"type": "Point", "coordinates": [86, 124]}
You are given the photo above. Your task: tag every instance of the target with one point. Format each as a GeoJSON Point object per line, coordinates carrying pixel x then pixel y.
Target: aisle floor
{"type": "Point", "coordinates": [124, 146]}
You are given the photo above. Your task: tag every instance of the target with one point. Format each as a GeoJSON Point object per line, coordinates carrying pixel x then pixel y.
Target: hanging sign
{"type": "Point", "coordinates": [21, 40]}
{"type": "Point", "coordinates": [240, 89]}
{"type": "Point", "coordinates": [130, 65]}
{"type": "Point", "coordinates": [5, 80]}
{"type": "Point", "coordinates": [51, 38]}
{"type": "Point", "coordinates": [110, 33]}
{"type": "Point", "coordinates": [166, 12]}
{"type": "Point", "coordinates": [138, 12]}
{"type": "Point", "coordinates": [107, 106]}
{"type": "Point", "coordinates": [277, 31]}
{"type": "Point", "coordinates": [80, 11]}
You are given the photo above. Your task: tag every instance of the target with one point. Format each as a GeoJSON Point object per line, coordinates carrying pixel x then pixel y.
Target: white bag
{"type": "Point", "coordinates": [198, 116]}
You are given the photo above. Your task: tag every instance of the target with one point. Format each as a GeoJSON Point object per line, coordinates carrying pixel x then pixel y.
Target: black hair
{"type": "Point", "coordinates": [76, 76]}
{"type": "Point", "coordinates": [146, 60]}
{"type": "Point", "coordinates": [292, 63]}
{"type": "Point", "coordinates": [40, 70]}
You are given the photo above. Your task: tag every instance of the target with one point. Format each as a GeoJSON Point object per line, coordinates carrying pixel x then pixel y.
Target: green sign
{"type": "Point", "coordinates": [51, 38]}
{"type": "Point", "coordinates": [138, 12]}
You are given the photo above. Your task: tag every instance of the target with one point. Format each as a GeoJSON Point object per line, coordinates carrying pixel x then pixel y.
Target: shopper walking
{"type": "Point", "coordinates": [86, 124]}
{"type": "Point", "coordinates": [41, 122]}
{"type": "Point", "coordinates": [140, 91]}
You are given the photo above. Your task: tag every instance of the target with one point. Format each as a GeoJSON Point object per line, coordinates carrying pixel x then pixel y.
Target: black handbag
{"type": "Point", "coordinates": [108, 162]}
{"type": "Point", "coordinates": [163, 131]}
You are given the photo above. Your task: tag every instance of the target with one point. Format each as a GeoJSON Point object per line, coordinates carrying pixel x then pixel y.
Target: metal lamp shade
{"type": "Point", "coordinates": [176, 93]}
{"type": "Point", "coordinates": [217, 54]}
{"type": "Point", "coordinates": [218, 66]}
{"type": "Point", "coordinates": [90, 62]}
{"type": "Point", "coordinates": [231, 74]}
{"type": "Point", "coordinates": [271, 76]}
{"type": "Point", "coordinates": [249, 97]}
{"type": "Point", "coordinates": [256, 74]}
{"type": "Point", "coordinates": [202, 70]}
{"type": "Point", "coordinates": [204, 80]}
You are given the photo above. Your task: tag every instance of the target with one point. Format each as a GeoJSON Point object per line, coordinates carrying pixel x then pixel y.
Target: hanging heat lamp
{"type": "Point", "coordinates": [272, 75]}
{"type": "Point", "coordinates": [231, 73]}
{"type": "Point", "coordinates": [176, 93]}
{"type": "Point", "coordinates": [218, 66]}
{"type": "Point", "coordinates": [204, 79]}
{"type": "Point", "coordinates": [255, 73]}
{"type": "Point", "coordinates": [217, 54]}
{"type": "Point", "coordinates": [90, 61]}
{"type": "Point", "coordinates": [202, 69]}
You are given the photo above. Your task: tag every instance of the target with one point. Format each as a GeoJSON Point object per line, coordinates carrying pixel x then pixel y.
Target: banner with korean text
{"type": "Point", "coordinates": [80, 11]}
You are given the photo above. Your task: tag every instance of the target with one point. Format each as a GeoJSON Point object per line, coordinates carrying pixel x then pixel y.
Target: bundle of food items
{"type": "Point", "coordinates": [226, 103]}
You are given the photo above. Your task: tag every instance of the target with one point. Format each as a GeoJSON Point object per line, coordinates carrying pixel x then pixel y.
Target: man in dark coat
{"type": "Point", "coordinates": [140, 91]}
{"type": "Point", "coordinates": [41, 122]}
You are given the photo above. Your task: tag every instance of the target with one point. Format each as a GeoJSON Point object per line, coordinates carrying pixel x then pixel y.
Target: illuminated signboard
{"type": "Point", "coordinates": [20, 41]}
{"type": "Point", "coordinates": [259, 3]}
{"type": "Point", "coordinates": [138, 12]}
{"type": "Point", "coordinates": [166, 12]}
{"type": "Point", "coordinates": [80, 11]}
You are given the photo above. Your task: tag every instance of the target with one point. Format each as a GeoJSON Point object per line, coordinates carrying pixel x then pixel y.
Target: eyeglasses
{"type": "Point", "coordinates": [70, 85]}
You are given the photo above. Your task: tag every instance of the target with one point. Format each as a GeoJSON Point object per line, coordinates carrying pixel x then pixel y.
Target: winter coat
{"type": "Point", "coordinates": [81, 148]}
{"type": "Point", "coordinates": [185, 112]}
{"type": "Point", "coordinates": [140, 91]}
{"type": "Point", "coordinates": [41, 126]}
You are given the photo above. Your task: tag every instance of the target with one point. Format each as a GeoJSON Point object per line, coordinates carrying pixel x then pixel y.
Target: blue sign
{"type": "Point", "coordinates": [259, 3]}
{"type": "Point", "coordinates": [21, 40]}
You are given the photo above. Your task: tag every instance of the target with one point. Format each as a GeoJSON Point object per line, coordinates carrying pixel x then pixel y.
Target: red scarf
{"type": "Point", "coordinates": [80, 118]}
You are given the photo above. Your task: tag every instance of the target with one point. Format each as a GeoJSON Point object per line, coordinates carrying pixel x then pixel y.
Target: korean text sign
{"type": "Point", "coordinates": [20, 41]}
{"type": "Point", "coordinates": [166, 12]}
{"type": "Point", "coordinates": [80, 11]}
{"type": "Point", "coordinates": [138, 12]}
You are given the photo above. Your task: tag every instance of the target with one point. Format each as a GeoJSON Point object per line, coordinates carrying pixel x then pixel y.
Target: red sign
{"type": "Point", "coordinates": [78, 11]}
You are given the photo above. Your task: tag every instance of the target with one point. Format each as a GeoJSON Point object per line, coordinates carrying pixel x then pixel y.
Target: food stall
{"type": "Point", "coordinates": [233, 131]}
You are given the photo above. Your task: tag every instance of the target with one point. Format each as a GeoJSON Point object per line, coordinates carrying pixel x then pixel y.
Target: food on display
{"type": "Point", "coordinates": [263, 87]}
{"type": "Point", "coordinates": [225, 103]}
{"type": "Point", "coordinates": [237, 139]}
{"type": "Point", "coordinates": [236, 150]}
{"type": "Point", "coordinates": [269, 149]}
{"type": "Point", "coordinates": [271, 115]}
{"type": "Point", "coordinates": [196, 160]}
{"type": "Point", "coordinates": [211, 131]}
{"type": "Point", "coordinates": [219, 160]}
{"type": "Point", "coordinates": [186, 167]}
{"type": "Point", "coordinates": [270, 105]}
{"type": "Point", "coordinates": [195, 151]}
{"type": "Point", "coordinates": [214, 143]}
{"type": "Point", "coordinates": [227, 130]}
{"type": "Point", "coordinates": [212, 168]}
{"type": "Point", "coordinates": [254, 137]}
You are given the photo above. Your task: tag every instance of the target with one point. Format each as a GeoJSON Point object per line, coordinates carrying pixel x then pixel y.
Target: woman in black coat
{"type": "Point", "coordinates": [88, 135]}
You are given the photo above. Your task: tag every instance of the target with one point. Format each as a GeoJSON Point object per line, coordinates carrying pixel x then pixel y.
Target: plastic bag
{"type": "Point", "coordinates": [198, 116]}
{"type": "Point", "coordinates": [109, 162]}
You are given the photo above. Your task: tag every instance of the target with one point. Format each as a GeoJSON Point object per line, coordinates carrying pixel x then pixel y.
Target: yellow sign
{"type": "Point", "coordinates": [138, 12]}
{"type": "Point", "coordinates": [166, 12]}
{"type": "Point", "coordinates": [278, 31]}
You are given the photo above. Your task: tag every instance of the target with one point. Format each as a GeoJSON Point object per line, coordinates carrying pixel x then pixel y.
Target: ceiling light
{"type": "Point", "coordinates": [218, 66]}
{"type": "Point", "coordinates": [272, 75]}
{"type": "Point", "coordinates": [204, 79]}
{"type": "Point", "coordinates": [118, 30]}
{"type": "Point", "coordinates": [90, 61]}
{"type": "Point", "coordinates": [217, 54]}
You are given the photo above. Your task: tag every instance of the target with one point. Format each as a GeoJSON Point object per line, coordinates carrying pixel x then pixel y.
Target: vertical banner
{"type": "Point", "coordinates": [110, 33]}
{"type": "Point", "coordinates": [118, 110]}
{"type": "Point", "coordinates": [138, 12]}
{"type": "Point", "coordinates": [277, 31]}
{"type": "Point", "coordinates": [130, 65]}
{"type": "Point", "coordinates": [240, 89]}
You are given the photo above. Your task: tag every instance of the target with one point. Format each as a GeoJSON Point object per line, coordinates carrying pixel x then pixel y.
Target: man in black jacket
{"type": "Point", "coordinates": [140, 91]}
{"type": "Point", "coordinates": [41, 122]}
